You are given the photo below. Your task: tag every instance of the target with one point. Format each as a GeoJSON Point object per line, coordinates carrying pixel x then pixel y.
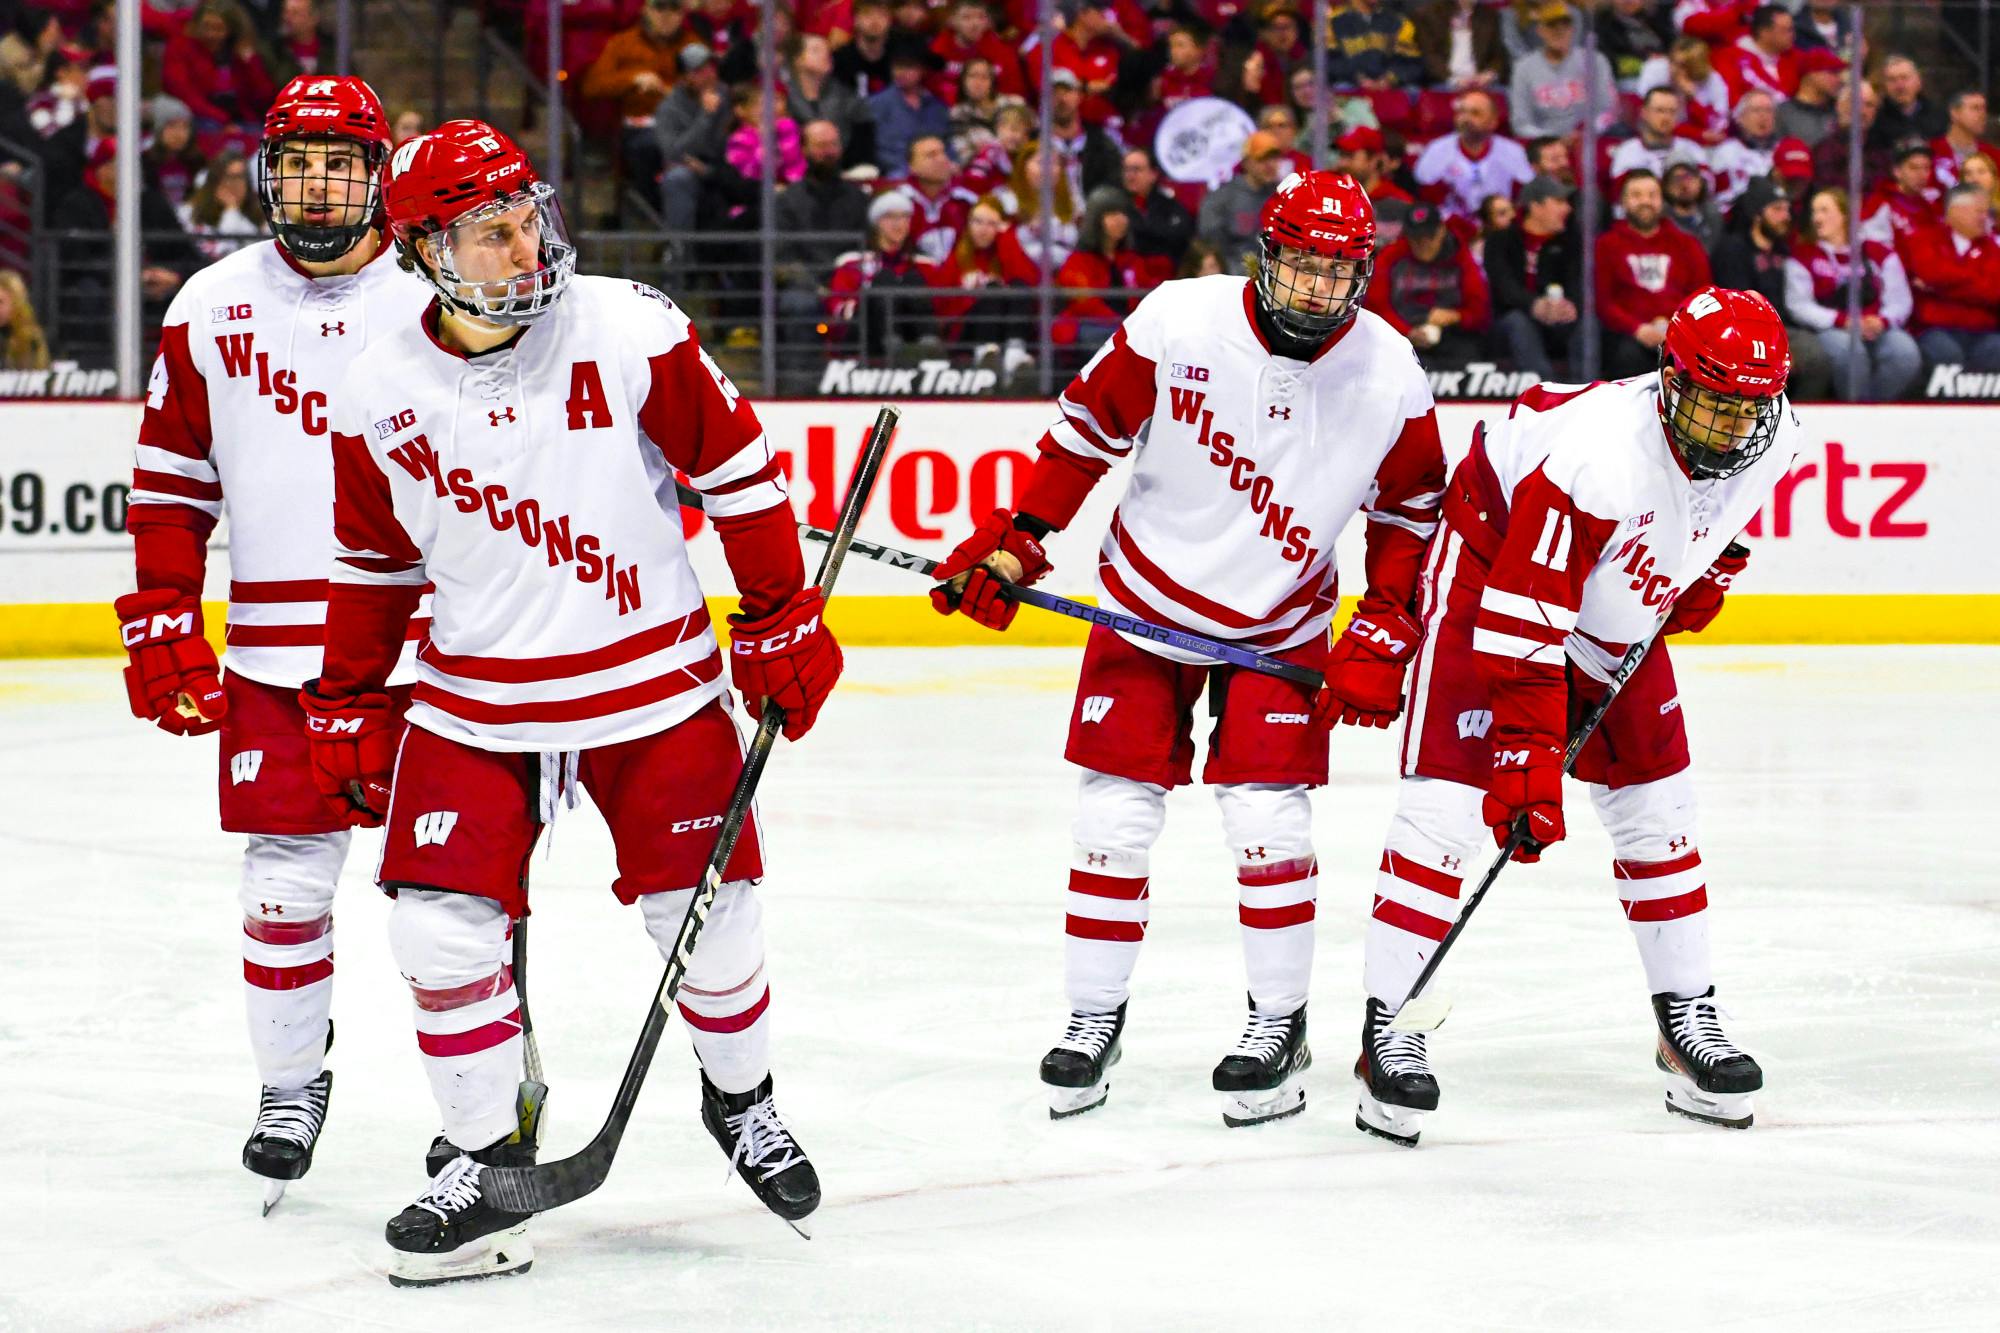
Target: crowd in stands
{"type": "Point", "coordinates": [1722, 155]}
{"type": "Point", "coordinates": [907, 151]}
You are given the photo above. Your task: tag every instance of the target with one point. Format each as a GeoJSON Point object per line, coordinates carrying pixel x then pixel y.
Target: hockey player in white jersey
{"type": "Point", "coordinates": [1571, 530]}
{"type": "Point", "coordinates": [1260, 416]}
{"type": "Point", "coordinates": [237, 417]}
{"type": "Point", "coordinates": [516, 446]}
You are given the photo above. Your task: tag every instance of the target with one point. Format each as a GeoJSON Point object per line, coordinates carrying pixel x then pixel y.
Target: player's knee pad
{"type": "Point", "coordinates": [1273, 817]}
{"type": "Point", "coordinates": [1435, 819]}
{"type": "Point", "coordinates": [731, 949]}
{"type": "Point", "coordinates": [1648, 821]}
{"type": "Point", "coordinates": [291, 878]}
{"type": "Point", "coordinates": [443, 940]}
{"type": "Point", "coordinates": [1118, 815]}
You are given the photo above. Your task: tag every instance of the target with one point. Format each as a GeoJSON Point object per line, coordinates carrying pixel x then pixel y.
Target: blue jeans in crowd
{"type": "Point", "coordinates": [1888, 365]}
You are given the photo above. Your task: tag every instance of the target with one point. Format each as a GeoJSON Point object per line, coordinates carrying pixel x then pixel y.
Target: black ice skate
{"type": "Point", "coordinates": [1394, 1073]}
{"type": "Point", "coordinates": [280, 1146]}
{"type": "Point", "coordinates": [1261, 1079]}
{"type": "Point", "coordinates": [1077, 1070]}
{"type": "Point", "coordinates": [452, 1234]}
{"type": "Point", "coordinates": [762, 1149]}
{"type": "Point", "coordinates": [1708, 1077]}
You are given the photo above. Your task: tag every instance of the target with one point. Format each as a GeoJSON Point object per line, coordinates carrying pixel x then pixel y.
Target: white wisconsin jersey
{"type": "Point", "coordinates": [1246, 465]}
{"type": "Point", "coordinates": [533, 486]}
{"type": "Point", "coordinates": [238, 417]}
{"type": "Point", "coordinates": [1619, 529]}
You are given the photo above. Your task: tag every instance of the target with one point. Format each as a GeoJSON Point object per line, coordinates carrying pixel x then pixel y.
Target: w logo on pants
{"type": "Point", "coordinates": [433, 828]}
{"type": "Point", "coordinates": [243, 766]}
{"type": "Point", "coordinates": [1095, 707]}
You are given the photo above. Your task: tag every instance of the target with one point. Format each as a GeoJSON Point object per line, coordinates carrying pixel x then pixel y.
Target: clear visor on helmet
{"type": "Point", "coordinates": [321, 192]}
{"type": "Point", "coordinates": [507, 262]}
{"type": "Point", "coordinates": [1716, 434]}
{"type": "Point", "coordinates": [1306, 295]}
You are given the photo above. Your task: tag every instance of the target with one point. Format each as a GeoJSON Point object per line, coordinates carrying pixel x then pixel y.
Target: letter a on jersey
{"type": "Point", "coordinates": [588, 408]}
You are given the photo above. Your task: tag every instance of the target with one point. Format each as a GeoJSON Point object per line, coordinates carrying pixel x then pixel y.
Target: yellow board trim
{"type": "Point", "coordinates": [87, 629]}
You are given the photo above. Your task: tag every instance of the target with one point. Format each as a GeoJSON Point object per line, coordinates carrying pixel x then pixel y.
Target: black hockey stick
{"type": "Point", "coordinates": [535, 1189]}
{"type": "Point", "coordinates": [1063, 606]}
{"type": "Point", "coordinates": [1426, 1013]}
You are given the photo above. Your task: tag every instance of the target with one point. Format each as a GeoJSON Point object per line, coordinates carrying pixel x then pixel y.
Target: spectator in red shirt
{"type": "Point", "coordinates": [1955, 278]}
{"type": "Point", "coordinates": [1278, 39]}
{"type": "Point", "coordinates": [992, 165]}
{"type": "Point", "coordinates": [1765, 58]}
{"type": "Point", "coordinates": [1717, 22]}
{"type": "Point", "coordinates": [1103, 265]}
{"type": "Point", "coordinates": [1646, 267]}
{"type": "Point", "coordinates": [976, 267]}
{"type": "Point", "coordinates": [1908, 202]}
{"type": "Point", "coordinates": [1962, 136]}
{"type": "Point", "coordinates": [1430, 290]}
{"type": "Point", "coordinates": [1188, 74]}
{"type": "Point", "coordinates": [871, 300]}
{"type": "Point", "coordinates": [1091, 47]}
{"type": "Point", "coordinates": [968, 33]}
{"type": "Point", "coordinates": [213, 66]}
{"type": "Point", "coordinates": [1364, 155]}
{"type": "Point", "coordinates": [940, 206]}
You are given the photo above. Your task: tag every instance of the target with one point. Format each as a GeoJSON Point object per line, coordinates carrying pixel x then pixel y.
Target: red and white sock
{"type": "Point", "coordinates": [1108, 901]}
{"type": "Point", "coordinates": [725, 999]}
{"type": "Point", "coordinates": [287, 900]}
{"type": "Point", "coordinates": [1661, 884]}
{"type": "Point", "coordinates": [1435, 834]}
{"type": "Point", "coordinates": [455, 950]}
{"type": "Point", "coordinates": [1269, 828]}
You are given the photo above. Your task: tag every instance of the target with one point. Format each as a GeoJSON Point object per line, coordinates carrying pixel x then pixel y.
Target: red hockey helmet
{"type": "Point", "coordinates": [469, 213]}
{"type": "Point", "coordinates": [325, 139]}
{"type": "Point", "coordinates": [1723, 369]}
{"type": "Point", "coordinates": [1315, 253]}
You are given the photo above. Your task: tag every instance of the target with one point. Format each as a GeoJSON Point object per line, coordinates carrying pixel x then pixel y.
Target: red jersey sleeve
{"type": "Point", "coordinates": [1402, 512]}
{"type": "Point", "coordinates": [378, 575]}
{"type": "Point", "coordinates": [176, 492]}
{"type": "Point", "coordinates": [1530, 605]}
{"type": "Point", "coordinates": [709, 431]}
{"type": "Point", "coordinates": [1101, 414]}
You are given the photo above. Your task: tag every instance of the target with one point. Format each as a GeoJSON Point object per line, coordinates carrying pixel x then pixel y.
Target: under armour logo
{"type": "Point", "coordinates": [1097, 858]}
{"type": "Point", "coordinates": [243, 766]}
{"type": "Point", "coordinates": [1677, 845]}
{"type": "Point", "coordinates": [271, 909]}
{"type": "Point", "coordinates": [433, 828]}
{"type": "Point", "coordinates": [1095, 707]}
{"type": "Point", "coordinates": [337, 329]}
{"type": "Point", "coordinates": [1701, 534]}
{"type": "Point", "coordinates": [1449, 863]}
{"type": "Point", "coordinates": [1277, 413]}
{"type": "Point", "coordinates": [504, 414]}
{"type": "Point", "coordinates": [1255, 854]}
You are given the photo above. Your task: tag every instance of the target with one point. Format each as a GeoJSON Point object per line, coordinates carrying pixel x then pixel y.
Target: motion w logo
{"type": "Point", "coordinates": [1095, 707]}
{"type": "Point", "coordinates": [433, 828]}
{"type": "Point", "coordinates": [243, 766]}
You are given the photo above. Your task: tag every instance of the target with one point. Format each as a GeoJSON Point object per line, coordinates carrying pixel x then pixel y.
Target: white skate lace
{"type": "Point", "coordinates": [455, 1189]}
{"type": "Point", "coordinates": [292, 1114]}
{"type": "Point", "coordinates": [761, 1136]}
{"type": "Point", "coordinates": [1088, 1034]}
{"type": "Point", "coordinates": [1697, 1028]}
{"type": "Point", "coordinates": [1398, 1053]}
{"type": "Point", "coordinates": [1263, 1037]}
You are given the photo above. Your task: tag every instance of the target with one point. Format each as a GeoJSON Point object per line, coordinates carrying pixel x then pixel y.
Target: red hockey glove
{"type": "Point", "coordinates": [979, 595]}
{"type": "Point", "coordinates": [1702, 602]}
{"type": "Point", "coordinates": [172, 679]}
{"type": "Point", "coordinates": [1526, 783]}
{"type": "Point", "coordinates": [788, 656]}
{"type": "Point", "coordinates": [1364, 672]}
{"type": "Point", "coordinates": [353, 739]}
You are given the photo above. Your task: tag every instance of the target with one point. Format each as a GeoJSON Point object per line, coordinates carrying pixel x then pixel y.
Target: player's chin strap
{"type": "Point", "coordinates": [1425, 1013]}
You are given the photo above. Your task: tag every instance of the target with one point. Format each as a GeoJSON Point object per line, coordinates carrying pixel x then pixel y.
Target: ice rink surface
{"type": "Point", "coordinates": [918, 849]}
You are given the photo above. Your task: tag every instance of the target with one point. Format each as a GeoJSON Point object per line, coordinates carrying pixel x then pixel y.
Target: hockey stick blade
{"type": "Point", "coordinates": [1426, 1013]}
{"type": "Point", "coordinates": [536, 1189]}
